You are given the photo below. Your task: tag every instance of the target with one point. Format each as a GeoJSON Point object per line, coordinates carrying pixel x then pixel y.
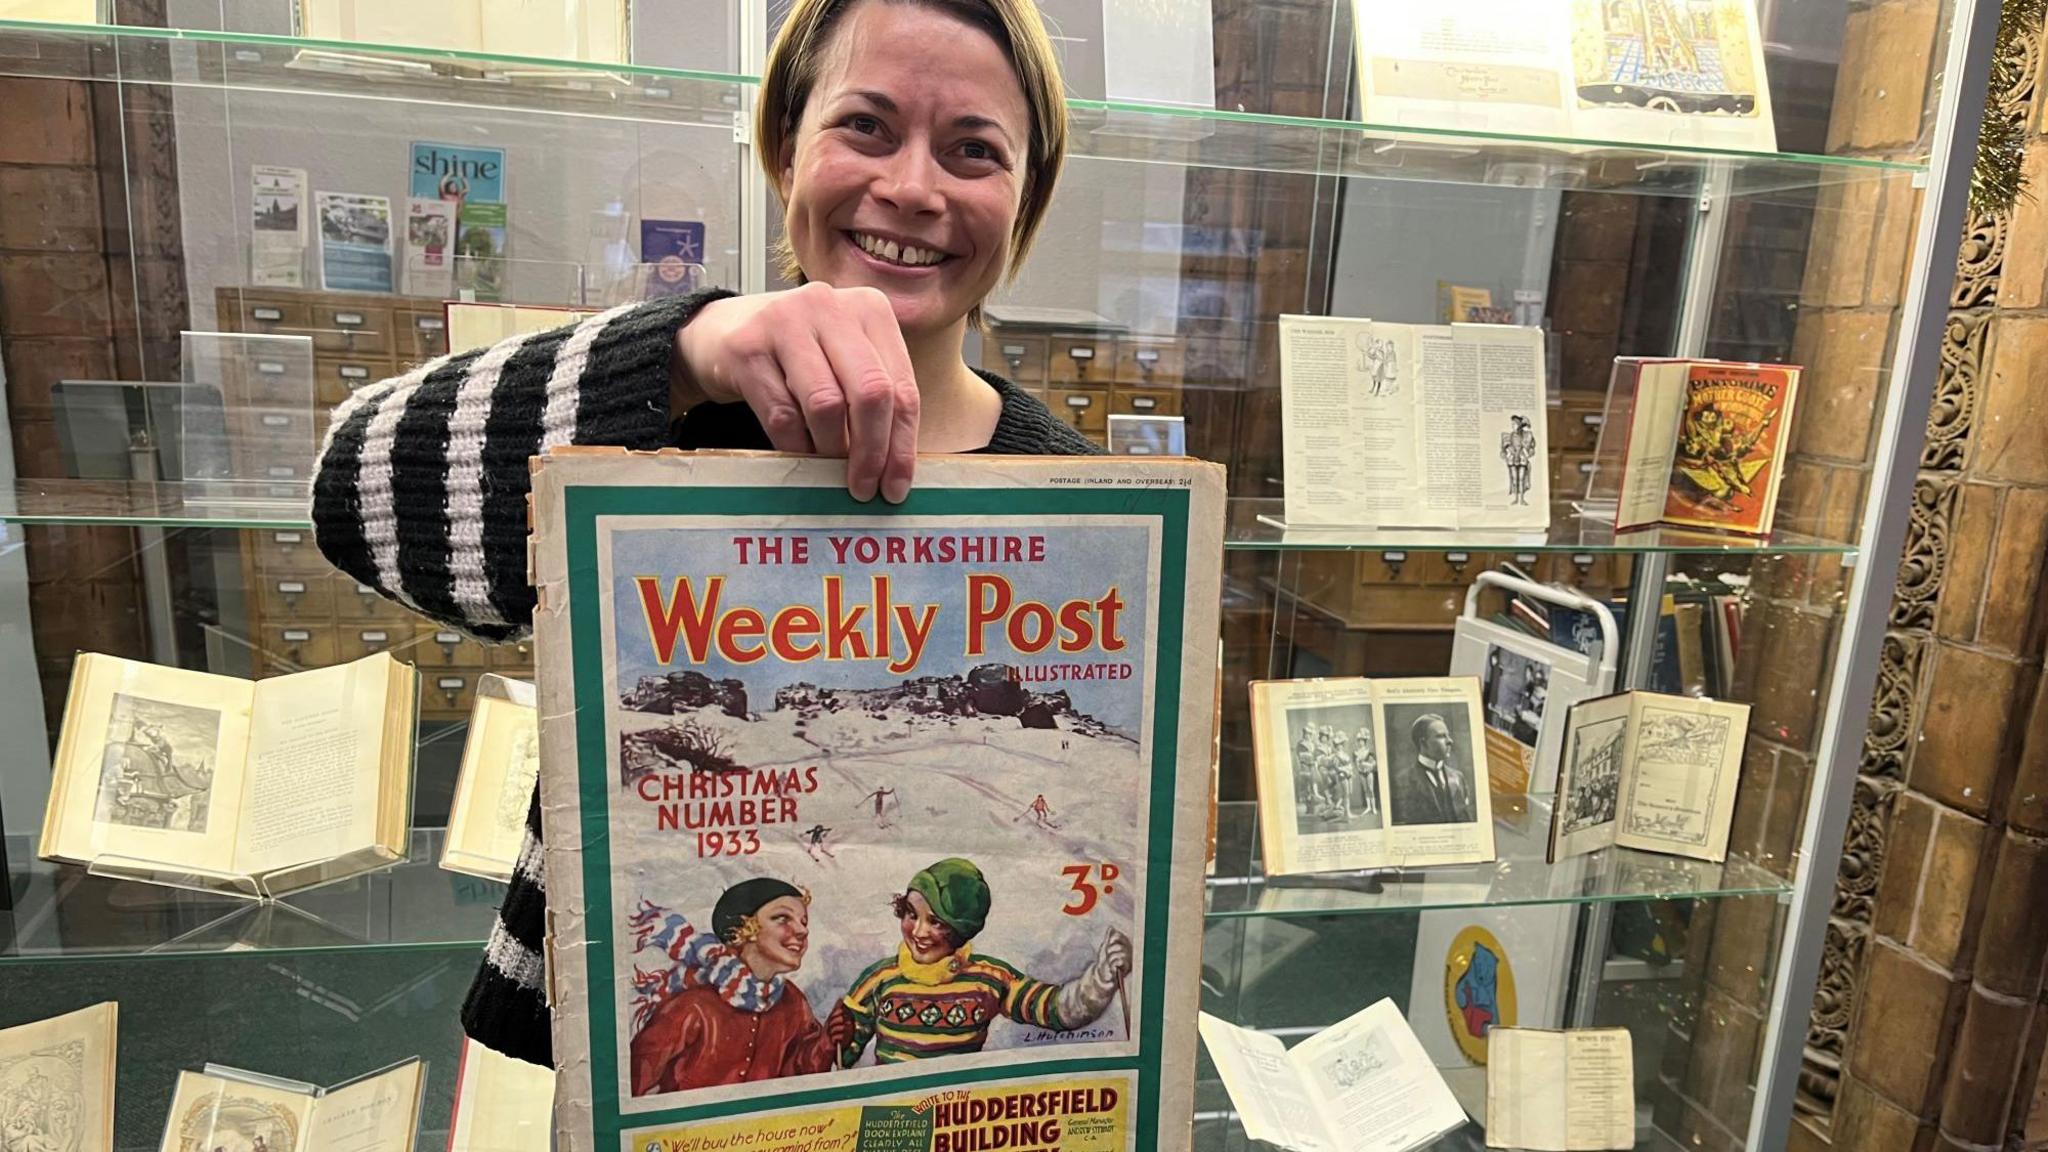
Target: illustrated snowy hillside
{"type": "Point", "coordinates": [976, 766]}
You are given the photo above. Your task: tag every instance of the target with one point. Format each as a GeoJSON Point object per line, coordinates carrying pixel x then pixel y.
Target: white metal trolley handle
{"type": "Point", "coordinates": [1610, 636]}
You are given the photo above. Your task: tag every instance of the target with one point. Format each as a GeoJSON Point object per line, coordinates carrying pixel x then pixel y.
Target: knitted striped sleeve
{"type": "Point", "coordinates": [422, 483]}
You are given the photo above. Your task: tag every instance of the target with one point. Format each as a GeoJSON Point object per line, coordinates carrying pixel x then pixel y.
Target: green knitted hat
{"type": "Point", "coordinates": [957, 894]}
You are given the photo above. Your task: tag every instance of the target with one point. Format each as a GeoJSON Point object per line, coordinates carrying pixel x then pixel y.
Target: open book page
{"type": "Point", "coordinates": [500, 762]}
{"type": "Point", "coordinates": [1478, 66]}
{"type": "Point", "coordinates": [149, 766]}
{"type": "Point", "coordinates": [213, 1114]}
{"type": "Point", "coordinates": [315, 766]}
{"type": "Point", "coordinates": [1652, 440]}
{"type": "Point", "coordinates": [60, 1074]}
{"type": "Point", "coordinates": [1374, 1085]}
{"type": "Point", "coordinates": [1481, 430]}
{"type": "Point", "coordinates": [1684, 759]}
{"type": "Point", "coordinates": [1319, 778]}
{"type": "Point", "coordinates": [1264, 1085]}
{"type": "Point", "coordinates": [1583, 818]}
{"type": "Point", "coordinates": [1570, 1091]}
{"type": "Point", "coordinates": [1439, 808]}
{"type": "Point", "coordinates": [375, 1114]}
{"type": "Point", "coordinates": [501, 1104]}
{"type": "Point", "coordinates": [1669, 74]}
{"type": "Point", "coordinates": [1347, 421]}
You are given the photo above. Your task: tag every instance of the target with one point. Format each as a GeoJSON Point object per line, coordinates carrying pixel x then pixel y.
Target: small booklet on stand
{"type": "Point", "coordinates": [1569, 1091]}
{"type": "Point", "coordinates": [501, 1104]}
{"type": "Point", "coordinates": [250, 788]}
{"type": "Point", "coordinates": [57, 1076]}
{"type": "Point", "coordinates": [1356, 773]}
{"type": "Point", "coordinates": [1363, 1084]}
{"type": "Point", "coordinates": [1649, 771]}
{"type": "Point", "coordinates": [500, 763]}
{"type": "Point", "coordinates": [1705, 443]}
{"type": "Point", "coordinates": [230, 1108]}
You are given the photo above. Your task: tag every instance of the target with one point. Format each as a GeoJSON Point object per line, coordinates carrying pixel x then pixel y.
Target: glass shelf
{"type": "Point", "coordinates": [1217, 1127]}
{"type": "Point", "coordinates": [1102, 130]}
{"type": "Point", "coordinates": [1256, 525]}
{"type": "Point", "coordinates": [194, 504]}
{"type": "Point", "coordinates": [1518, 876]}
{"type": "Point", "coordinates": [63, 913]}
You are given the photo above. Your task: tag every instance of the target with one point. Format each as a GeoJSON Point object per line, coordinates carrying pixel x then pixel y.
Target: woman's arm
{"type": "Point", "coordinates": [422, 483]}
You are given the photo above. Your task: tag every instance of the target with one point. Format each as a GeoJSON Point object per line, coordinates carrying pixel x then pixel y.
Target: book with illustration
{"type": "Point", "coordinates": [500, 763]}
{"type": "Point", "coordinates": [57, 1082]}
{"type": "Point", "coordinates": [251, 788]}
{"type": "Point", "coordinates": [1649, 771]}
{"type": "Point", "coordinates": [914, 795]}
{"type": "Point", "coordinates": [222, 1107]}
{"type": "Point", "coordinates": [1705, 443]}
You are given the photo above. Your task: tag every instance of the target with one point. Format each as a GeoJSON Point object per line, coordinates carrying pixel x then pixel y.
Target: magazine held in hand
{"type": "Point", "coordinates": [873, 824]}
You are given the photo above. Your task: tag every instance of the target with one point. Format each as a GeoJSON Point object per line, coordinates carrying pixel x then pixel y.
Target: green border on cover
{"type": "Point", "coordinates": [584, 505]}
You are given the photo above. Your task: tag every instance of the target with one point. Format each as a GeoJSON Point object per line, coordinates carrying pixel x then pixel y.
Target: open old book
{"type": "Point", "coordinates": [1563, 1091]}
{"type": "Point", "coordinates": [500, 763]}
{"type": "Point", "coordinates": [1413, 425]}
{"type": "Point", "coordinates": [1356, 773]}
{"type": "Point", "coordinates": [252, 788]}
{"type": "Point", "coordinates": [57, 1078]}
{"type": "Point", "coordinates": [1650, 771]}
{"type": "Point", "coordinates": [1671, 73]}
{"type": "Point", "coordinates": [1363, 1084]}
{"type": "Point", "coordinates": [229, 1108]}
{"type": "Point", "coordinates": [1706, 442]}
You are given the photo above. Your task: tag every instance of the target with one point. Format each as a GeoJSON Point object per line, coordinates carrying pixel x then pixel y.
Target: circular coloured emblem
{"type": "Point", "coordinates": [1479, 990]}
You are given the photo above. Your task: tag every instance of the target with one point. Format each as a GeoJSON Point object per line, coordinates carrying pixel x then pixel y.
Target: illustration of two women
{"type": "Point", "coordinates": [725, 1012]}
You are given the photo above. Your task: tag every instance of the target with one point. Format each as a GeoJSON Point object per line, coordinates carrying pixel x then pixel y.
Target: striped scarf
{"type": "Point", "coordinates": [696, 960]}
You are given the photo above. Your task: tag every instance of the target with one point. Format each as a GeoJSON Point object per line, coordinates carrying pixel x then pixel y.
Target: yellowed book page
{"type": "Point", "coordinates": [1318, 766]}
{"type": "Point", "coordinates": [1600, 1089]}
{"type": "Point", "coordinates": [478, 325]}
{"type": "Point", "coordinates": [56, 11]}
{"type": "Point", "coordinates": [1478, 65]}
{"type": "Point", "coordinates": [1348, 407]}
{"type": "Point", "coordinates": [1670, 75]}
{"type": "Point", "coordinates": [589, 30]}
{"type": "Point", "coordinates": [211, 1114]}
{"type": "Point", "coordinates": [1652, 441]}
{"type": "Point", "coordinates": [1272, 1103]}
{"type": "Point", "coordinates": [1373, 1083]}
{"type": "Point", "coordinates": [1589, 776]}
{"type": "Point", "coordinates": [525, 320]}
{"type": "Point", "coordinates": [59, 1074]}
{"type": "Point", "coordinates": [1525, 1089]}
{"type": "Point", "coordinates": [500, 762]}
{"type": "Point", "coordinates": [375, 1114]}
{"type": "Point", "coordinates": [501, 1104]}
{"type": "Point", "coordinates": [150, 766]}
{"type": "Point", "coordinates": [314, 766]}
{"type": "Point", "coordinates": [1439, 808]}
{"type": "Point", "coordinates": [1678, 782]}
{"type": "Point", "coordinates": [450, 24]}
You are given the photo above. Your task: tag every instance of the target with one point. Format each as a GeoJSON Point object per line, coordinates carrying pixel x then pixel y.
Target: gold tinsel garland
{"type": "Point", "coordinates": [1998, 181]}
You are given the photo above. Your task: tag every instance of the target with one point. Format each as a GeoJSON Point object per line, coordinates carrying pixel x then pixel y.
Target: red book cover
{"type": "Point", "coordinates": [1732, 439]}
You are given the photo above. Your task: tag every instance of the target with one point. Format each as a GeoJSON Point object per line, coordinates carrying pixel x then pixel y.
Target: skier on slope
{"type": "Point", "coordinates": [1041, 812]}
{"type": "Point", "coordinates": [881, 798]}
{"type": "Point", "coordinates": [814, 841]}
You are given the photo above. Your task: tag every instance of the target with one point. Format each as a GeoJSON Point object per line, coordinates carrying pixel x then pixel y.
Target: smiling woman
{"type": "Point", "coordinates": [912, 181]}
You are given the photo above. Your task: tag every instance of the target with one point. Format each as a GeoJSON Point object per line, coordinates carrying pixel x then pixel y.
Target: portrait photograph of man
{"type": "Point", "coordinates": [1431, 778]}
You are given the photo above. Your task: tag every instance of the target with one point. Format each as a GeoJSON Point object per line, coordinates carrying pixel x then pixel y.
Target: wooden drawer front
{"type": "Point", "coordinates": [1154, 363]}
{"type": "Point", "coordinates": [334, 377]}
{"type": "Point", "coordinates": [286, 429]}
{"type": "Point", "coordinates": [1575, 427]}
{"type": "Point", "coordinates": [447, 693]}
{"type": "Point", "coordinates": [443, 648]}
{"type": "Point", "coordinates": [355, 640]}
{"type": "Point", "coordinates": [1594, 570]}
{"type": "Point", "coordinates": [267, 381]}
{"type": "Point", "coordinates": [296, 647]}
{"type": "Point", "coordinates": [1081, 360]}
{"type": "Point", "coordinates": [1390, 566]}
{"type": "Point", "coordinates": [290, 598]}
{"type": "Point", "coordinates": [514, 659]}
{"type": "Point", "coordinates": [271, 316]}
{"type": "Point", "coordinates": [421, 335]}
{"type": "Point", "coordinates": [1145, 401]}
{"type": "Point", "coordinates": [351, 329]}
{"type": "Point", "coordinates": [1086, 409]}
{"type": "Point", "coordinates": [286, 552]}
{"type": "Point", "coordinates": [361, 604]}
{"type": "Point", "coordinates": [1021, 358]}
{"type": "Point", "coordinates": [1569, 472]}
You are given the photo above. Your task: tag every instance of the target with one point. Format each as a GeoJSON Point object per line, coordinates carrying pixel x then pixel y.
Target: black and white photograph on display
{"type": "Point", "coordinates": [1430, 774]}
{"type": "Point", "coordinates": [1595, 759]}
{"type": "Point", "coordinates": [1336, 769]}
{"type": "Point", "coordinates": [158, 767]}
{"type": "Point", "coordinates": [1514, 689]}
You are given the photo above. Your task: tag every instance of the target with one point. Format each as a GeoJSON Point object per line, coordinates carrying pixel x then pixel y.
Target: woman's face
{"type": "Point", "coordinates": [785, 934]}
{"type": "Point", "coordinates": [930, 940]}
{"type": "Point", "coordinates": [908, 167]}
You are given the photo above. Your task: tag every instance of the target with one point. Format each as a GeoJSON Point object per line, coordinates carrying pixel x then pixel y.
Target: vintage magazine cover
{"type": "Point", "coordinates": [875, 826]}
{"type": "Point", "coordinates": [1730, 454]}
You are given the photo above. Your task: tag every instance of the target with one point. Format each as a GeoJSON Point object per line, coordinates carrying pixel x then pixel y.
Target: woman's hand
{"type": "Point", "coordinates": [824, 370]}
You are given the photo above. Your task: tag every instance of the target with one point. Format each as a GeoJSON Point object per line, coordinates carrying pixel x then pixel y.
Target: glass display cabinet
{"type": "Point", "coordinates": [170, 360]}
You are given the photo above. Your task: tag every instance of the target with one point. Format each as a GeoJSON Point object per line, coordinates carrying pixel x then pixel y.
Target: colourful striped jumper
{"type": "Point", "coordinates": [913, 1011]}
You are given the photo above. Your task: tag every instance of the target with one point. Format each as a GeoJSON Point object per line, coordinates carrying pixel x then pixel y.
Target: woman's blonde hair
{"type": "Point", "coordinates": [799, 52]}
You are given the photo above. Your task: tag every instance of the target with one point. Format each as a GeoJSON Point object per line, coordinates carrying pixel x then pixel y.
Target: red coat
{"type": "Point", "coordinates": [697, 1039]}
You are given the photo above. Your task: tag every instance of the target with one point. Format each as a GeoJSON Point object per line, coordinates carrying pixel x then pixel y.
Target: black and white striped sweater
{"type": "Point", "coordinates": [421, 494]}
